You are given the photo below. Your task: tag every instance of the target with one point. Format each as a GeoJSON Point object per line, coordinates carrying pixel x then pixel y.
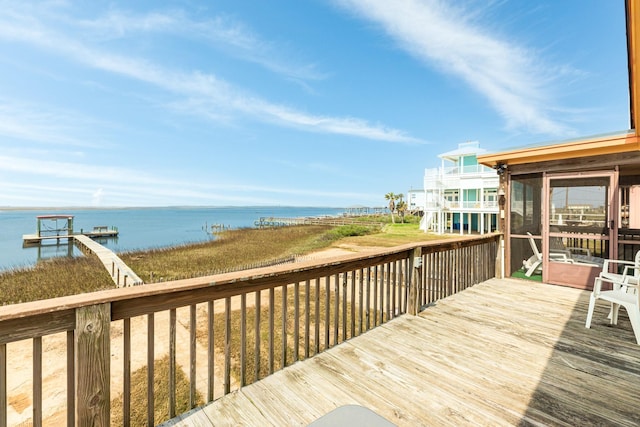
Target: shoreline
{"type": "Point", "coordinates": [63, 208]}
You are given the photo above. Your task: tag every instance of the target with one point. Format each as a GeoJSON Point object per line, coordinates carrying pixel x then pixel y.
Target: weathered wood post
{"type": "Point", "coordinates": [413, 276]}
{"type": "Point", "coordinates": [503, 207]}
{"type": "Point", "coordinates": [92, 360]}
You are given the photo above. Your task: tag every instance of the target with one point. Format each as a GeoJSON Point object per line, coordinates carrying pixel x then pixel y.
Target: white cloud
{"type": "Point", "coordinates": [222, 32]}
{"type": "Point", "coordinates": [128, 187]}
{"type": "Point", "coordinates": [98, 197]}
{"type": "Point", "coordinates": [209, 92]}
{"type": "Point", "coordinates": [37, 123]}
{"type": "Point", "coordinates": [441, 35]}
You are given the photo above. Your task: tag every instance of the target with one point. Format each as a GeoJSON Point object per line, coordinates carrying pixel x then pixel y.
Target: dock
{"type": "Point", "coordinates": [121, 274]}
{"type": "Point", "coordinates": [60, 227]}
{"type": "Point", "coordinates": [48, 228]}
{"type": "Point", "coordinates": [267, 222]}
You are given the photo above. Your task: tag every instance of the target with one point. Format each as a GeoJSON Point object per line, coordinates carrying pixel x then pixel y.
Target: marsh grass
{"type": "Point", "coordinates": [53, 278]}
{"type": "Point", "coordinates": [160, 392]}
{"type": "Point", "coordinates": [233, 249]}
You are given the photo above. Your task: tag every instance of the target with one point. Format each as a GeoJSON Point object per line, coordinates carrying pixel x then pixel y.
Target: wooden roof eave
{"type": "Point", "coordinates": [622, 143]}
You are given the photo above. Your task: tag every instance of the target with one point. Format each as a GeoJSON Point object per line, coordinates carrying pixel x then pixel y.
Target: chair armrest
{"type": "Point", "coordinates": [582, 251]}
{"type": "Point", "coordinates": [560, 257]}
{"type": "Point", "coordinates": [630, 274]}
{"type": "Point", "coordinates": [617, 262]}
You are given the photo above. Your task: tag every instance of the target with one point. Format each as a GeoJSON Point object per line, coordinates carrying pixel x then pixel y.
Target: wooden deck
{"type": "Point", "coordinates": [505, 352]}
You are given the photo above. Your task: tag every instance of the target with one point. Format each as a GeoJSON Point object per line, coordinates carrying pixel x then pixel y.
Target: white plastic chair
{"type": "Point", "coordinates": [534, 263]}
{"type": "Point", "coordinates": [625, 292]}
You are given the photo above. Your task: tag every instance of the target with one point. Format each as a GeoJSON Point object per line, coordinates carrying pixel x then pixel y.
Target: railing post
{"type": "Point", "coordinates": [500, 258]}
{"type": "Point", "coordinates": [413, 277]}
{"type": "Point", "coordinates": [93, 358]}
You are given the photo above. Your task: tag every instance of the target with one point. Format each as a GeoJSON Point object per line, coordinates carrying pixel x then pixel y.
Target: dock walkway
{"type": "Point", "coordinates": [121, 274]}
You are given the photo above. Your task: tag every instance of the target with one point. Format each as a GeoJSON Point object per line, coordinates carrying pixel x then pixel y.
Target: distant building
{"type": "Point", "coordinates": [462, 195]}
{"type": "Point", "coordinates": [416, 201]}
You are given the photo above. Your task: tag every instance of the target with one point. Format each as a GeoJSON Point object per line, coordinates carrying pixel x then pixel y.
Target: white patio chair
{"type": "Point", "coordinates": [534, 263]}
{"type": "Point", "coordinates": [625, 292]}
{"type": "Point", "coordinates": [628, 268]}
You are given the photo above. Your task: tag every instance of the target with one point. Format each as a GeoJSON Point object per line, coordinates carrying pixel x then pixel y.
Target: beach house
{"type": "Point", "coordinates": [461, 196]}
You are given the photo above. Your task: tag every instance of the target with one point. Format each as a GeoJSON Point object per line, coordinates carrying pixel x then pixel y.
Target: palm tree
{"type": "Point", "coordinates": [401, 207]}
{"type": "Point", "coordinates": [391, 197]}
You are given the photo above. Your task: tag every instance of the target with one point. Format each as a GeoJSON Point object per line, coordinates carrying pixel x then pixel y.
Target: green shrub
{"type": "Point", "coordinates": [350, 231]}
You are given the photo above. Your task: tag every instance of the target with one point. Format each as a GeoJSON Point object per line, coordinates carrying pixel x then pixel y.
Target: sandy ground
{"type": "Point", "coordinates": [20, 358]}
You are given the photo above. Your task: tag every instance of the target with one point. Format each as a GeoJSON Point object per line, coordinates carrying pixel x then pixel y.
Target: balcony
{"type": "Point", "coordinates": [502, 353]}
{"type": "Point", "coordinates": [490, 206]}
{"type": "Point", "coordinates": [420, 334]}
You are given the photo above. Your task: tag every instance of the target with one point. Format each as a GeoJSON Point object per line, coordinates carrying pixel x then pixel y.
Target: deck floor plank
{"type": "Point", "coordinates": [504, 352]}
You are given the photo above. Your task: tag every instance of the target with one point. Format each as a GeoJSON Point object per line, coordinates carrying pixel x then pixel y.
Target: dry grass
{"type": "Point", "coordinates": [160, 392]}
{"type": "Point", "coordinates": [53, 278]}
{"type": "Point", "coordinates": [279, 360]}
{"type": "Point", "coordinates": [234, 249]}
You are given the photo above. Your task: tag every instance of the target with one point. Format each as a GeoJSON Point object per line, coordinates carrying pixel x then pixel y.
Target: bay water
{"type": "Point", "coordinates": [139, 228]}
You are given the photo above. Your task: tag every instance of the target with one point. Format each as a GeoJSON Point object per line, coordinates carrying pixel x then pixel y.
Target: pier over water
{"type": "Point", "coordinates": [60, 227]}
{"type": "Point", "coordinates": [121, 274]}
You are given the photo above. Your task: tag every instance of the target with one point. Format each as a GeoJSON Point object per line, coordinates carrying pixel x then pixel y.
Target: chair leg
{"type": "Point", "coordinates": [634, 317]}
{"type": "Point", "coordinates": [615, 309]}
{"type": "Point", "coordinates": [592, 305]}
{"type": "Point", "coordinates": [533, 268]}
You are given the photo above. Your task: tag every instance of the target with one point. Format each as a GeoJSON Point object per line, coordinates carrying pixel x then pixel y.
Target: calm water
{"type": "Point", "coordinates": [140, 228]}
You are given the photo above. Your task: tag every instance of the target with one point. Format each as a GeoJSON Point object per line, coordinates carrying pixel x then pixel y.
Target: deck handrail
{"type": "Point", "coordinates": [359, 292]}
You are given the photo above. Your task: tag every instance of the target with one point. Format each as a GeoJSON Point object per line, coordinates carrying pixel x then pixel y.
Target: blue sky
{"type": "Point", "coordinates": [288, 102]}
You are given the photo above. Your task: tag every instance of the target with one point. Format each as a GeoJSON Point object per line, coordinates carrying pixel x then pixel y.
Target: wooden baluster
{"type": "Point", "coordinates": [336, 308]}
{"type": "Point", "coordinates": [192, 356]}
{"type": "Point", "coordinates": [296, 322]}
{"type": "Point", "coordinates": [71, 390]}
{"type": "Point", "coordinates": [360, 300]}
{"type": "Point", "coordinates": [150, 369]}
{"type": "Point", "coordinates": [227, 345]}
{"type": "Point", "coordinates": [126, 366]}
{"type": "Point", "coordinates": [307, 317]}
{"type": "Point", "coordinates": [271, 329]}
{"type": "Point", "coordinates": [257, 336]}
{"type": "Point", "coordinates": [3, 385]}
{"type": "Point", "coordinates": [327, 311]}
{"type": "Point", "coordinates": [415, 261]}
{"type": "Point", "coordinates": [375, 297]}
{"type": "Point", "coordinates": [37, 382]}
{"type": "Point", "coordinates": [172, 362]}
{"type": "Point", "coordinates": [210, 351]}
{"type": "Point", "coordinates": [317, 318]}
{"type": "Point", "coordinates": [344, 306]}
{"type": "Point", "coordinates": [353, 303]}
{"type": "Point", "coordinates": [243, 339]}
{"type": "Point", "coordinates": [284, 326]}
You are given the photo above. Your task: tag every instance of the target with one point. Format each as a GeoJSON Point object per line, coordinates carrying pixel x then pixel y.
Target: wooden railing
{"type": "Point", "coordinates": [219, 332]}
